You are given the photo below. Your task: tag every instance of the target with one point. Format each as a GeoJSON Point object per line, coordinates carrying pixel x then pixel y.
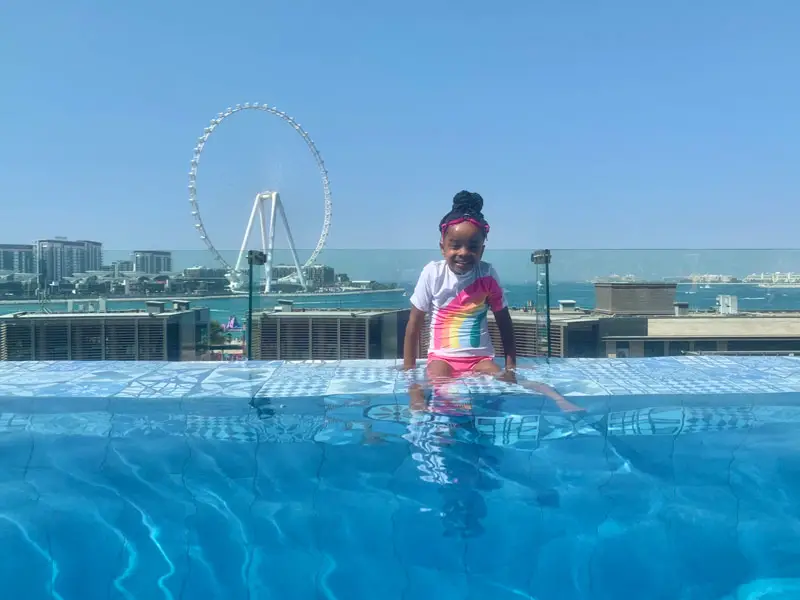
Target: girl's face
{"type": "Point", "coordinates": [462, 247]}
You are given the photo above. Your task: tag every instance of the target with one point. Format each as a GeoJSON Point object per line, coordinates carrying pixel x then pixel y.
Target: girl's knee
{"type": "Point", "coordinates": [488, 367]}
{"type": "Point", "coordinates": [439, 368]}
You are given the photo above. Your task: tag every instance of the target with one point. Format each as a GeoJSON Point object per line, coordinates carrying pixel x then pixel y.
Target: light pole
{"type": "Point", "coordinates": [254, 257]}
{"type": "Point", "coordinates": [542, 257]}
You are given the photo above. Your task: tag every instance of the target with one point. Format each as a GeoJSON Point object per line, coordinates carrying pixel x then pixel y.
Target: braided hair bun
{"type": "Point", "coordinates": [467, 206]}
{"type": "Point", "coordinates": [468, 203]}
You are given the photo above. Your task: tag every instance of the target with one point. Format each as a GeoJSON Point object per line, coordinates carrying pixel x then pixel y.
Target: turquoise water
{"type": "Point", "coordinates": [140, 480]}
{"type": "Point", "coordinates": [302, 501]}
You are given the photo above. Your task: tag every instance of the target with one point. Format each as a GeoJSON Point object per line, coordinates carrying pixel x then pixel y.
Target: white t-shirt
{"type": "Point", "coordinates": [458, 306]}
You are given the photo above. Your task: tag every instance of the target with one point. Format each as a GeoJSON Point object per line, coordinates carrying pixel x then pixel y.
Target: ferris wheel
{"type": "Point", "coordinates": [236, 273]}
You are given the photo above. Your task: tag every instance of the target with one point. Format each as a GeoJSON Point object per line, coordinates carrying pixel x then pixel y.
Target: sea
{"type": "Point", "coordinates": [751, 298]}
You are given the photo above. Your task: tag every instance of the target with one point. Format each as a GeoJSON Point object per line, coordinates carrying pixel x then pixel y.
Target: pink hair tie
{"type": "Point", "coordinates": [484, 226]}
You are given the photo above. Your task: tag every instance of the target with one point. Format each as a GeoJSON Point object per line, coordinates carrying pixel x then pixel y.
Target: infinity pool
{"type": "Point", "coordinates": [679, 478]}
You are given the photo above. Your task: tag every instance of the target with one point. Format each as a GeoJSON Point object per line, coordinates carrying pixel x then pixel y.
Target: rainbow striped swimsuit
{"type": "Point", "coordinates": [458, 306]}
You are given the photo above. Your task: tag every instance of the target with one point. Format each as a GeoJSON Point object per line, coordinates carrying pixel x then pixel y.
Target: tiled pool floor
{"type": "Point", "coordinates": [571, 377]}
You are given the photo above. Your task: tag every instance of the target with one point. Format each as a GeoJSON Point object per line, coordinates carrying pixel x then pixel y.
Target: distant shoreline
{"type": "Point", "coordinates": [716, 283]}
{"type": "Point", "coordinates": [698, 283]}
{"type": "Point", "coordinates": [289, 295]}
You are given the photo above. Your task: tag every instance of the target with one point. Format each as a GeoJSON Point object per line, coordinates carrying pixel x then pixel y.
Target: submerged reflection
{"type": "Point", "coordinates": [442, 429]}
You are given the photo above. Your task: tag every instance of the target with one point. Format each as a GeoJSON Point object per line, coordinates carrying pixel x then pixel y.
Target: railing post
{"type": "Point", "coordinates": [254, 257]}
{"type": "Point", "coordinates": [542, 257]}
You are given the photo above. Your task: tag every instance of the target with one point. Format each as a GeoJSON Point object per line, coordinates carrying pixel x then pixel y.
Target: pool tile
{"type": "Point", "coordinates": [571, 377]}
{"type": "Point", "coordinates": [156, 389]}
{"type": "Point", "coordinates": [363, 380]}
{"type": "Point", "coordinates": [225, 390]}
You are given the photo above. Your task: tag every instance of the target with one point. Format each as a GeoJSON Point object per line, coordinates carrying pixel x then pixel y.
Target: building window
{"type": "Point", "coordinates": [654, 348]}
{"type": "Point", "coordinates": [705, 346]}
{"type": "Point", "coordinates": [678, 348]}
{"type": "Point", "coordinates": [775, 345]}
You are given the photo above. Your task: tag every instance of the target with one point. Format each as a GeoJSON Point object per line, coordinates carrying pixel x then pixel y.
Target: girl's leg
{"type": "Point", "coordinates": [438, 369]}
{"type": "Point", "coordinates": [487, 367]}
{"type": "Point", "coordinates": [416, 398]}
{"type": "Point", "coordinates": [544, 389]}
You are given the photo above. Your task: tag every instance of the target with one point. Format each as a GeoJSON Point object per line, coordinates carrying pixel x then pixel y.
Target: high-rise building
{"type": "Point", "coordinates": [118, 266]}
{"type": "Point", "coordinates": [59, 258]}
{"type": "Point", "coordinates": [317, 275]}
{"type": "Point", "coordinates": [17, 258]}
{"type": "Point", "coordinates": [55, 260]}
{"type": "Point", "coordinates": [152, 261]}
{"type": "Point", "coordinates": [93, 256]}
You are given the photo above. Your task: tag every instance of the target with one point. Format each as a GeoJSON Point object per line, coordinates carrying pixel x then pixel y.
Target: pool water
{"type": "Point", "coordinates": [493, 494]}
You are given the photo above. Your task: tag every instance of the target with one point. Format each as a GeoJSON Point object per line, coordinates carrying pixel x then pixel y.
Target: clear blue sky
{"type": "Point", "coordinates": [583, 124]}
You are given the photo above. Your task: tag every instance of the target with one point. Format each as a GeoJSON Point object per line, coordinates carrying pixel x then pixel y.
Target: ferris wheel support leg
{"type": "Point", "coordinates": [243, 251]}
{"type": "Point", "coordinates": [262, 218]}
{"type": "Point", "coordinates": [270, 245]}
{"type": "Point", "coordinates": [291, 246]}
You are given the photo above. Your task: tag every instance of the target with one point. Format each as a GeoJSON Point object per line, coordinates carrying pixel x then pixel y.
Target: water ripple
{"type": "Point", "coordinates": [647, 499]}
{"type": "Point", "coordinates": [45, 554]}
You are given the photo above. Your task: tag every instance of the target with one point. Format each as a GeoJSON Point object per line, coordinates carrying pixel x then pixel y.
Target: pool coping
{"type": "Point", "coordinates": [683, 375]}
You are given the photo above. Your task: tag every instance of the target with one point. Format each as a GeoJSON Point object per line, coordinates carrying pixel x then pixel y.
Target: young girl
{"type": "Point", "coordinates": [458, 293]}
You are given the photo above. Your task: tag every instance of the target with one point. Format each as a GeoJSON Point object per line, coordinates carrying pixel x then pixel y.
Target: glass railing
{"type": "Point", "coordinates": [576, 285]}
{"type": "Point", "coordinates": [761, 279]}
{"type": "Point", "coordinates": [646, 303]}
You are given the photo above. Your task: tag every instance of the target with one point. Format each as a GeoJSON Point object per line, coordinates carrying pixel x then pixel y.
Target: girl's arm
{"type": "Point", "coordinates": [506, 327]}
{"type": "Point", "coordinates": [411, 342]}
